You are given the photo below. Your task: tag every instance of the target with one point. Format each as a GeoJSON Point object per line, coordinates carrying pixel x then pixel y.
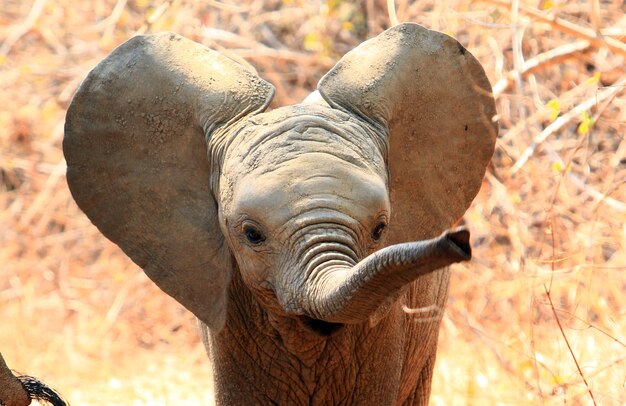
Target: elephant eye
{"type": "Point", "coordinates": [253, 234]}
{"type": "Point", "coordinates": [378, 231]}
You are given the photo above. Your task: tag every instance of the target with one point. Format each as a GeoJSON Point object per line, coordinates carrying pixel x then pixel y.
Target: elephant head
{"type": "Point", "coordinates": [325, 208]}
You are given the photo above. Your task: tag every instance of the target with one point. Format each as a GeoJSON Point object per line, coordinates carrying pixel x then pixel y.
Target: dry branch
{"type": "Point", "coordinates": [249, 48]}
{"type": "Point", "coordinates": [564, 119]}
{"type": "Point", "coordinates": [545, 59]}
{"type": "Point", "coordinates": [599, 196]}
{"type": "Point", "coordinates": [567, 27]}
{"type": "Point", "coordinates": [569, 347]}
{"type": "Point", "coordinates": [21, 30]}
{"type": "Point", "coordinates": [391, 10]}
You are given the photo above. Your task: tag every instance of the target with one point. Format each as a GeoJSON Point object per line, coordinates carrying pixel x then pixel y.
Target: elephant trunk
{"type": "Point", "coordinates": [346, 294]}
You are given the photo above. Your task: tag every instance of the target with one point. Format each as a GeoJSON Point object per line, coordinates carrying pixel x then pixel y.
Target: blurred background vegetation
{"type": "Point", "coordinates": [539, 315]}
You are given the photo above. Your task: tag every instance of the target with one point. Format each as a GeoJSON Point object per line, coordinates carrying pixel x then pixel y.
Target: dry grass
{"type": "Point", "coordinates": [550, 217]}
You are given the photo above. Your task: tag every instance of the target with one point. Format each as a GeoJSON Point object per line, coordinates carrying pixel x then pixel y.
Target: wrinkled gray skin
{"type": "Point", "coordinates": [306, 244]}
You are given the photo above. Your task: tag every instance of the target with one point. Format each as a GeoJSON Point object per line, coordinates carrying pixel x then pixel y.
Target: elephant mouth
{"type": "Point", "coordinates": [320, 327]}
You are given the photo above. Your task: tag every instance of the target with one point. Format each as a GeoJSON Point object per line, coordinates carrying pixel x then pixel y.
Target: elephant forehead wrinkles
{"type": "Point", "coordinates": [272, 140]}
{"type": "Point", "coordinates": [313, 182]}
{"type": "Point", "coordinates": [267, 141]}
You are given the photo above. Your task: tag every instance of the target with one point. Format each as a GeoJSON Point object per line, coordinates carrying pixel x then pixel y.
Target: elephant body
{"type": "Point", "coordinates": [288, 363]}
{"type": "Point", "coordinates": [300, 361]}
{"type": "Point", "coordinates": [308, 240]}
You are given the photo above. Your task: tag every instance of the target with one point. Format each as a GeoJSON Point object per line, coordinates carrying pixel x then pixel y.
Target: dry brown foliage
{"type": "Point", "coordinates": [539, 315]}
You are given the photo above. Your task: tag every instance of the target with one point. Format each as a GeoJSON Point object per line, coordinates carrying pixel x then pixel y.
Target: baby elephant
{"type": "Point", "coordinates": [303, 238]}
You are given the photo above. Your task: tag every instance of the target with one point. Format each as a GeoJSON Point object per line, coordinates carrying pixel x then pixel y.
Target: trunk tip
{"type": "Point", "coordinates": [460, 238]}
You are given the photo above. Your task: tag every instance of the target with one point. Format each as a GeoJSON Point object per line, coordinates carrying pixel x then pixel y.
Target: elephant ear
{"type": "Point", "coordinates": [434, 101]}
{"type": "Point", "coordinates": [135, 145]}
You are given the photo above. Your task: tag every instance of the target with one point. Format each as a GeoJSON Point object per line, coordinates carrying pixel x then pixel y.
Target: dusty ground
{"type": "Point", "coordinates": [538, 317]}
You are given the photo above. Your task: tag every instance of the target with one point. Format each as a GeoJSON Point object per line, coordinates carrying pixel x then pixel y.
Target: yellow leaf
{"type": "Point", "coordinates": [25, 69]}
{"type": "Point", "coordinates": [49, 112]}
{"type": "Point", "coordinates": [557, 166]}
{"type": "Point", "coordinates": [585, 124]}
{"type": "Point", "coordinates": [594, 79]}
{"type": "Point", "coordinates": [348, 26]}
{"type": "Point", "coordinates": [312, 42]}
{"type": "Point", "coordinates": [555, 109]}
{"type": "Point", "coordinates": [142, 4]}
{"type": "Point", "coordinates": [558, 380]}
{"type": "Point", "coordinates": [333, 5]}
{"type": "Point", "coordinates": [547, 5]}
{"type": "Point", "coordinates": [151, 14]}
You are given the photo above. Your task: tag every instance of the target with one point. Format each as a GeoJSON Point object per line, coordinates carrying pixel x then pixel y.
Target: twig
{"type": "Point", "coordinates": [569, 347]}
{"type": "Point", "coordinates": [561, 121]}
{"type": "Point", "coordinates": [43, 197]}
{"type": "Point", "coordinates": [549, 57]}
{"type": "Point", "coordinates": [539, 115]}
{"type": "Point", "coordinates": [556, 125]}
{"type": "Point", "coordinates": [228, 7]}
{"type": "Point", "coordinates": [369, 9]}
{"type": "Point", "coordinates": [116, 306]}
{"type": "Point", "coordinates": [570, 28]}
{"type": "Point", "coordinates": [614, 31]}
{"type": "Point", "coordinates": [582, 186]}
{"type": "Point", "coordinates": [254, 49]}
{"type": "Point", "coordinates": [108, 24]}
{"type": "Point", "coordinates": [391, 10]}
{"type": "Point", "coordinates": [589, 325]}
{"type": "Point", "coordinates": [156, 14]}
{"type": "Point", "coordinates": [518, 56]}
{"type": "Point", "coordinates": [594, 14]}
{"type": "Point", "coordinates": [23, 28]}
{"type": "Point", "coordinates": [488, 340]}
{"type": "Point", "coordinates": [290, 14]}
